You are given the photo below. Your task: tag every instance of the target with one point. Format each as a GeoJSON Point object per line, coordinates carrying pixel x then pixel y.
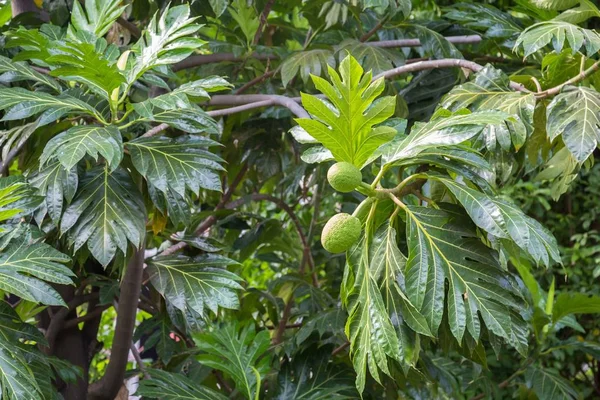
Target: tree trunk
{"type": "Point", "coordinates": [22, 6]}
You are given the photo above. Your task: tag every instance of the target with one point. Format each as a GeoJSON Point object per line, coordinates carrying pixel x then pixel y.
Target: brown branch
{"type": "Point", "coordinates": [131, 27]}
{"type": "Point", "coordinates": [377, 27]}
{"type": "Point", "coordinates": [241, 99]}
{"type": "Point", "coordinates": [198, 60]}
{"type": "Point", "coordinates": [287, 311]}
{"type": "Point", "coordinates": [108, 386]}
{"type": "Point", "coordinates": [442, 63]}
{"type": "Point", "coordinates": [469, 39]}
{"type": "Point", "coordinates": [138, 360]}
{"type": "Point", "coordinates": [339, 349]}
{"type": "Point", "coordinates": [58, 319]}
{"type": "Point", "coordinates": [256, 81]}
{"type": "Point", "coordinates": [577, 78]}
{"type": "Point", "coordinates": [242, 108]}
{"type": "Point", "coordinates": [263, 20]}
{"type": "Point", "coordinates": [194, 61]}
{"type": "Point", "coordinates": [290, 326]}
{"type": "Point", "coordinates": [96, 312]}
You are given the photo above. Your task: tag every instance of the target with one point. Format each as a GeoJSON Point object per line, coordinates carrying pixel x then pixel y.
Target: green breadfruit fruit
{"type": "Point", "coordinates": [344, 177]}
{"type": "Point", "coordinates": [340, 233]}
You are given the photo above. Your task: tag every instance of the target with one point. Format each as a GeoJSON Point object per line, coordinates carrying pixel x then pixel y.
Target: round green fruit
{"type": "Point", "coordinates": [344, 177]}
{"type": "Point", "coordinates": [340, 233]}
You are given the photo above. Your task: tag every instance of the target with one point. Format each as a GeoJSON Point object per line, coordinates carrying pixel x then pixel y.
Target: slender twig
{"type": "Point", "coordinates": [134, 30]}
{"type": "Point", "coordinates": [256, 81]}
{"type": "Point", "coordinates": [96, 312]}
{"type": "Point", "coordinates": [340, 348]}
{"type": "Point", "coordinates": [287, 311]}
{"type": "Point", "coordinates": [289, 326]}
{"type": "Point", "coordinates": [235, 100]}
{"type": "Point", "coordinates": [374, 30]}
{"type": "Point", "coordinates": [263, 21]}
{"type": "Point", "coordinates": [138, 359]}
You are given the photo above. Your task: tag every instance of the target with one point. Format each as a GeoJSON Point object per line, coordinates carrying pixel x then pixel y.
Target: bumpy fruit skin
{"type": "Point", "coordinates": [340, 233]}
{"type": "Point", "coordinates": [344, 177]}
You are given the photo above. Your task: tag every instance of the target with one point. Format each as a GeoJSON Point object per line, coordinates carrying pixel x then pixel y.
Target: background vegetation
{"type": "Point", "coordinates": [164, 191]}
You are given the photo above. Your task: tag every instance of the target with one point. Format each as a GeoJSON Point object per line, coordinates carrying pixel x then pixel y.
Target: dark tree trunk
{"type": "Point", "coordinates": [22, 6]}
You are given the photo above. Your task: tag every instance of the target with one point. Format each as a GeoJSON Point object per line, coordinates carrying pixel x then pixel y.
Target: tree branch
{"type": "Point", "coordinates": [263, 20]}
{"type": "Point", "coordinates": [241, 99]}
{"type": "Point", "coordinates": [577, 78]}
{"type": "Point", "coordinates": [374, 30]}
{"type": "Point", "coordinates": [108, 386]}
{"type": "Point", "coordinates": [442, 63]}
{"type": "Point", "coordinates": [58, 319]}
{"type": "Point", "coordinates": [96, 312]}
{"type": "Point", "coordinates": [256, 81]}
{"type": "Point", "coordinates": [198, 60]}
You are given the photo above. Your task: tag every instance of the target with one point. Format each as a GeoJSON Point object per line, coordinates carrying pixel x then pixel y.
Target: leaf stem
{"type": "Point", "coordinates": [382, 171]}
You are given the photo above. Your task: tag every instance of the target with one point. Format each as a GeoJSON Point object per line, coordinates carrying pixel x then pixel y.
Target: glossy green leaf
{"type": "Point", "coordinates": [87, 63]}
{"type": "Point", "coordinates": [555, 4]}
{"type": "Point", "coordinates": [372, 58]}
{"type": "Point", "coordinates": [309, 62]}
{"type": "Point", "coordinates": [199, 283]}
{"type": "Point", "coordinates": [555, 32]}
{"type": "Point", "coordinates": [490, 90]}
{"type": "Point", "coordinates": [246, 18]}
{"type": "Point", "coordinates": [98, 17]}
{"type": "Point", "coordinates": [575, 115]}
{"type": "Point", "coordinates": [441, 248]}
{"type": "Point", "coordinates": [105, 214]}
{"type": "Point", "coordinates": [239, 352]}
{"type": "Point", "coordinates": [178, 163]}
{"type": "Point", "coordinates": [17, 198]}
{"type": "Point", "coordinates": [495, 23]}
{"type": "Point", "coordinates": [346, 125]}
{"type": "Point", "coordinates": [165, 385]}
{"type": "Point", "coordinates": [447, 131]}
{"type": "Point", "coordinates": [369, 329]}
{"type": "Point", "coordinates": [17, 377]}
{"type": "Point", "coordinates": [167, 40]}
{"type": "Point", "coordinates": [18, 71]}
{"type": "Point", "coordinates": [57, 184]}
{"type": "Point", "coordinates": [20, 104]}
{"type": "Point", "coordinates": [548, 384]}
{"type": "Point", "coordinates": [577, 15]}
{"type": "Point", "coordinates": [387, 267]}
{"type": "Point", "coordinates": [574, 303]}
{"type": "Point", "coordinates": [310, 376]}
{"type": "Point", "coordinates": [24, 267]}
{"type": "Point", "coordinates": [70, 146]}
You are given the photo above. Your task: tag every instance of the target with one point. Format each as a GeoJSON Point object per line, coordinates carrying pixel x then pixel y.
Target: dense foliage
{"type": "Point", "coordinates": [168, 197]}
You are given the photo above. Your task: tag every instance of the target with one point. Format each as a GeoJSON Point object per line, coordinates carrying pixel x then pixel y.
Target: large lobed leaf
{"type": "Point", "coordinates": [70, 146]}
{"type": "Point", "coordinates": [346, 125]}
{"type": "Point", "coordinates": [165, 385]}
{"type": "Point", "coordinates": [240, 353]}
{"type": "Point", "coordinates": [198, 284]}
{"type": "Point", "coordinates": [106, 212]}
{"type": "Point", "coordinates": [167, 40]}
{"type": "Point", "coordinates": [309, 62]}
{"type": "Point", "coordinates": [574, 114]}
{"type": "Point", "coordinates": [20, 104]}
{"type": "Point", "coordinates": [98, 17]}
{"type": "Point", "coordinates": [555, 32]}
{"type": "Point", "coordinates": [177, 164]}
{"type": "Point", "coordinates": [506, 221]}
{"type": "Point", "coordinates": [310, 376]}
{"type": "Point", "coordinates": [444, 129]}
{"type": "Point", "coordinates": [490, 90]}
{"type": "Point", "coordinates": [24, 267]}
{"type": "Point", "coordinates": [442, 249]}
